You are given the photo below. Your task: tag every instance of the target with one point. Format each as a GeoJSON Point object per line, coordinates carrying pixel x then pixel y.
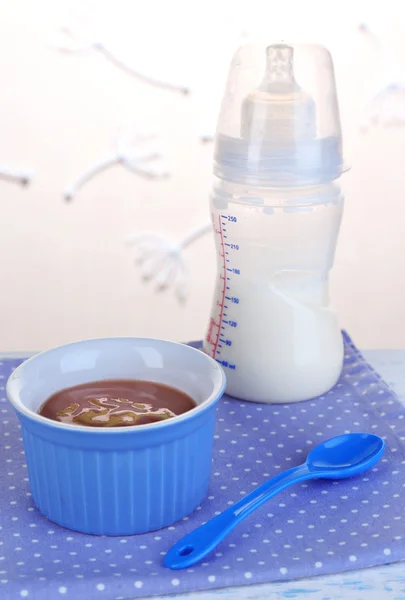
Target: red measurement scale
{"type": "Point", "coordinates": [217, 338]}
{"type": "Point", "coordinates": [214, 329]}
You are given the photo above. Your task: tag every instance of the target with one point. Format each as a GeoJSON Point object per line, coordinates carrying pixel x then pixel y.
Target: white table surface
{"type": "Point", "coordinates": [385, 582]}
{"type": "Point", "coordinates": [377, 583]}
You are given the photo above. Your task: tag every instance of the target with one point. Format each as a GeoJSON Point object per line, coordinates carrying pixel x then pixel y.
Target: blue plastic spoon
{"type": "Point", "coordinates": [340, 457]}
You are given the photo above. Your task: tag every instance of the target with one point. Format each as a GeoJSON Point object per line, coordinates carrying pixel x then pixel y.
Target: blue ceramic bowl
{"type": "Point", "coordinates": [118, 480]}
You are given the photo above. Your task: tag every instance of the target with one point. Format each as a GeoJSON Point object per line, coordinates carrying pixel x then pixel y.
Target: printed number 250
{"type": "Point", "coordinates": [232, 219]}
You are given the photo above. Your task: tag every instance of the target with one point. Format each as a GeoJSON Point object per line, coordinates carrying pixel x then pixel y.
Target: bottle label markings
{"type": "Point", "coordinates": [220, 326]}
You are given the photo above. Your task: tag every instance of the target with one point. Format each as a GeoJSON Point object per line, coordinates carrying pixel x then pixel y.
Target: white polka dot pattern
{"type": "Point", "coordinates": [313, 528]}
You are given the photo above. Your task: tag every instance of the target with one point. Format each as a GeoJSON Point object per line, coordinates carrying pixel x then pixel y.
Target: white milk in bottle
{"type": "Point", "coordinates": [276, 212]}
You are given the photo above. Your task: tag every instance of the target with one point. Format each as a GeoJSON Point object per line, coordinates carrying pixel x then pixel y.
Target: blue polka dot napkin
{"type": "Point", "coordinates": [310, 529]}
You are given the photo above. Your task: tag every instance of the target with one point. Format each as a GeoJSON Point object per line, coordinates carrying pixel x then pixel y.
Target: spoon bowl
{"type": "Point", "coordinates": [346, 455]}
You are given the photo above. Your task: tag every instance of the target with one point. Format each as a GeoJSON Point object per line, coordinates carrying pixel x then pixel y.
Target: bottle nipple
{"type": "Point", "coordinates": [279, 75]}
{"type": "Point", "coordinates": [278, 111]}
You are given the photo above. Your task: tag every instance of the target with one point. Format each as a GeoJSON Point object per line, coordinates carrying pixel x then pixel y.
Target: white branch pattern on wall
{"type": "Point", "coordinates": [387, 104]}
{"type": "Point", "coordinates": [82, 33]}
{"type": "Point", "coordinates": [161, 259]}
{"type": "Point", "coordinates": [138, 150]}
{"type": "Point", "coordinates": [14, 175]}
{"type": "Point", "coordinates": [71, 41]}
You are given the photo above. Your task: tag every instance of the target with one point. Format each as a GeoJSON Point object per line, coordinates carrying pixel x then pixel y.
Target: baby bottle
{"type": "Point", "coordinates": [276, 211]}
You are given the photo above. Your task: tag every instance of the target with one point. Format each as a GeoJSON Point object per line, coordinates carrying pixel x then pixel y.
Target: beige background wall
{"type": "Point", "coordinates": [65, 271]}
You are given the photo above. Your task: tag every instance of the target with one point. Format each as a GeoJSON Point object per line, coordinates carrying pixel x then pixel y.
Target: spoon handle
{"type": "Point", "coordinates": [200, 542]}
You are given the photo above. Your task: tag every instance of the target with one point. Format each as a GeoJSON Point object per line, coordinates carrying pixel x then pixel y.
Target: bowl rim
{"type": "Point", "coordinates": [21, 408]}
